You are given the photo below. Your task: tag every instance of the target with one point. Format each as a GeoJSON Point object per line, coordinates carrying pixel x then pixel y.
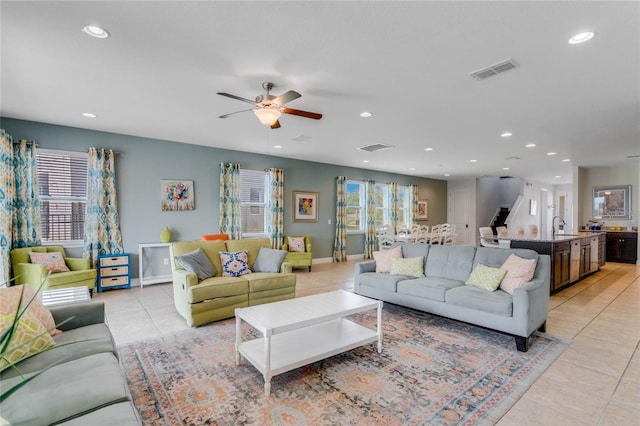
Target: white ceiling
{"type": "Point", "coordinates": [407, 62]}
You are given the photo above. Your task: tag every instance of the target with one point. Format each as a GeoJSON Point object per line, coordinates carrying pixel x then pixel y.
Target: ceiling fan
{"type": "Point", "coordinates": [268, 107]}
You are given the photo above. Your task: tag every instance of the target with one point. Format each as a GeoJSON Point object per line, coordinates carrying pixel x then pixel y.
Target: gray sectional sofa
{"type": "Point", "coordinates": [86, 386]}
{"type": "Point", "coordinates": [443, 291]}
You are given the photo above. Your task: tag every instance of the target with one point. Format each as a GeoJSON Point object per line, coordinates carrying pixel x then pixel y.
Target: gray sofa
{"type": "Point", "coordinates": [443, 291]}
{"type": "Point", "coordinates": [85, 386]}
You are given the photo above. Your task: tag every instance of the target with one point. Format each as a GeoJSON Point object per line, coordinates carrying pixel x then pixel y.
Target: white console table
{"type": "Point", "coordinates": [145, 261]}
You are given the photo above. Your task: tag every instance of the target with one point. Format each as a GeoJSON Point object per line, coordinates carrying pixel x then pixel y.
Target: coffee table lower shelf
{"type": "Point", "coordinates": [299, 347]}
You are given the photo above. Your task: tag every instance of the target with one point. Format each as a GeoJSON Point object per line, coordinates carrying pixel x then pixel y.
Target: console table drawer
{"type": "Point", "coordinates": [115, 260]}
{"type": "Point", "coordinates": [119, 270]}
{"type": "Point", "coordinates": [108, 282]}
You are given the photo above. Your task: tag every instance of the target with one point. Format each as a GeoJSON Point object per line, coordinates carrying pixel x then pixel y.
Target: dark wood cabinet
{"type": "Point", "coordinates": [622, 247]}
{"type": "Point", "coordinates": [602, 249]}
{"type": "Point", "coordinates": [560, 265]}
{"type": "Point", "coordinates": [585, 256]}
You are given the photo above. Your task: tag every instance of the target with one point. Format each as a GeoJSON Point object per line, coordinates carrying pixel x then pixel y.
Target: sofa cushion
{"type": "Point", "coordinates": [234, 263]}
{"type": "Point", "coordinates": [210, 248]}
{"type": "Point", "coordinates": [54, 262]}
{"type": "Point", "coordinates": [67, 390]}
{"type": "Point", "coordinates": [413, 266]}
{"type": "Point", "coordinates": [486, 277]}
{"type": "Point", "coordinates": [383, 258]}
{"type": "Point", "coordinates": [213, 288]}
{"type": "Point", "coordinates": [251, 245]}
{"type": "Point", "coordinates": [415, 250]}
{"type": "Point", "coordinates": [198, 263]}
{"type": "Point", "coordinates": [428, 288]}
{"type": "Point", "coordinates": [519, 272]}
{"type": "Point", "coordinates": [452, 262]}
{"type": "Point", "coordinates": [269, 260]}
{"type": "Point", "coordinates": [496, 302]}
{"type": "Point", "coordinates": [66, 279]}
{"type": "Point", "coordinates": [386, 282]}
{"type": "Point", "coordinates": [263, 281]}
{"type": "Point", "coordinates": [70, 345]}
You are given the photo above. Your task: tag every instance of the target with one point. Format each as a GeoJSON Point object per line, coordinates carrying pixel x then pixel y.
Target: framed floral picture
{"type": "Point", "coordinates": [305, 206]}
{"type": "Point", "coordinates": [177, 195]}
{"type": "Point", "coordinates": [423, 213]}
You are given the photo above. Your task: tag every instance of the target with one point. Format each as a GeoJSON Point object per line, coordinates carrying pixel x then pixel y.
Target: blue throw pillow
{"type": "Point", "coordinates": [269, 260]}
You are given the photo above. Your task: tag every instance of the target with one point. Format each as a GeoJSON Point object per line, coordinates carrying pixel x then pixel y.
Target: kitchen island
{"type": "Point", "coordinates": [573, 256]}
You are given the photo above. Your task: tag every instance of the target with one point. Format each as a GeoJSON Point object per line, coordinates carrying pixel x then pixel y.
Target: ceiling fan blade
{"type": "Point", "coordinates": [228, 95]}
{"type": "Point", "coordinates": [232, 113]}
{"type": "Point", "coordinates": [276, 125]}
{"type": "Point", "coordinates": [300, 113]}
{"type": "Point", "coordinates": [286, 97]}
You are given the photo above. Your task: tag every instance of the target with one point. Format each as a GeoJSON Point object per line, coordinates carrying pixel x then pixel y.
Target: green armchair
{"type": "Point", "coordinates": [295, 258]}
{"type": "Point", "coordinates": [25, 272]}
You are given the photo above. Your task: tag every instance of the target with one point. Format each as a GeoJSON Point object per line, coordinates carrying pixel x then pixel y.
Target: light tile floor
{"type": "Point", "coordinates": [596, 381]}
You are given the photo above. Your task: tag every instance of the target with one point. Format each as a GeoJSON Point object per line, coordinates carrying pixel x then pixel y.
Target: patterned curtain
{"type": "Point", "coordinates": [101, 223]}
{"type": "Point", "coordinates": [6, 202]}
{"type": "Point", "coordinates": [19, 199]}
{"type": "Point", "coordinates": [275, 211]}
{"type": "Point", "coordinates": [230, 213]}
{"type": "Point", "coordinates": [413, 205]}
{"type": "Point", "coordinates": [340, 243]}
{"type": "Point", "coordinates": [393, 205]}
{"type": "Point", "coordinates": [370, 214]}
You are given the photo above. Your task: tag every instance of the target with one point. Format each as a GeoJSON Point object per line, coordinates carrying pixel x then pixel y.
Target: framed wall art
{"type": "Point", "coordinates": [423, 212]}
{"type": "Point", "coordinates": [305, 206]}
{"type": "Point", "coordinates": [612, 202]}
{"type": "Point", "coordinates": [177, 195]}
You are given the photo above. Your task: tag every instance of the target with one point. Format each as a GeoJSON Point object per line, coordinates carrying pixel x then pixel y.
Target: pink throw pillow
{"type": "Point", "coordinates": [53, 261]}
{"type": "Point", "coordinates": [519, 272]}
{"type": "Point", "coordinates": [296, 244]}
{"type": "Point", "coordinates": [383, 258]}
{"type": "Point", "coordinates": [9, 298]}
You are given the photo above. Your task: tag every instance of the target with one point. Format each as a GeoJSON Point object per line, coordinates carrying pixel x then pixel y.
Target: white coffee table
{"type": "Point", "coordinates": [304, 330]}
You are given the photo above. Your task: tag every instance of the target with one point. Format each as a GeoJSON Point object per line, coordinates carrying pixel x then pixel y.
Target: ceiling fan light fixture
{"type": "Point", "coordinates": [267, 116]}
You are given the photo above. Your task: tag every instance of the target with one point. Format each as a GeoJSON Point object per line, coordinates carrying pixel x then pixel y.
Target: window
{"type": "Point", "coordinates": [62, 182]}
{"type": "Point", "coordinates": [380, 201]}
{"type": "Point", "coordinates": [253, 193]}
{"type": "Point", "coordinates": [403, 206]}
{"type": "Point", "coordinates": [355, 206]}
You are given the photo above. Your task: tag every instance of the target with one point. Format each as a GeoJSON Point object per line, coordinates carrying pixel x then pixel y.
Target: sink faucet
{"type": "Point", "coordinates": [553, 227]}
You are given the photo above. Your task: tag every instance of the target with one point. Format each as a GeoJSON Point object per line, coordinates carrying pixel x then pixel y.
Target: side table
{"type": "Point", "coordinates": [114, 271]}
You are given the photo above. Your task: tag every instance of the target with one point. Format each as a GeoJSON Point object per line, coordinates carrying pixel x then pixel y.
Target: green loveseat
{"type": "Point", "coordinates": [25, 272]}
{"type": "Point", "coordinates": [216, 298]}
{"type": "Point", "coordinates": [86, 386]}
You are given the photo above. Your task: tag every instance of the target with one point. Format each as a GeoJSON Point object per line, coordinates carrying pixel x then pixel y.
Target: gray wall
{"type": "Point", "coordinates": [143, 162]}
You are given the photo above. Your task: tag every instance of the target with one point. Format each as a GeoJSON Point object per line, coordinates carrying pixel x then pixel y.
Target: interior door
{"type": "Point", "coordinates": [458, 214]}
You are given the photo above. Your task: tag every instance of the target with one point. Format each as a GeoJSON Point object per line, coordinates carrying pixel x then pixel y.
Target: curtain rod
{"type": "Point", "coordinates": [106, 149]}
{"type": "Point", "coordinates": [28, 142]}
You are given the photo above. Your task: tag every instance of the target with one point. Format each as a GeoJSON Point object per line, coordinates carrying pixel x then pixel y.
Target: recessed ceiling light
{"type": "Point", "coordinates": [530, 145]}
{"type": "Point", "coordinates": [581, 38]}
{"type": "Point", "coordinates": [277, 146]}
{"type": "Point", "coordinates": [505, 168]}
{"type": "Point", "coordinates": [365, 114]}
{"type": "Point", "coordinates": [447, 174]}
{"type": "Point", "coordinates": [566, 160]}
{"type": "Point", "coordinates": [365, 161]}
{"type": "Point", "coordinates": [551, 153]}
{"type": "Point", "coordinates": [557, 177]}
{"type": "Point", "coordinates": [96, 32]}
{"type": "Point", "coordinates": [89, 115]}
{"type": "Point", "coordinates": [412, 168]}
{"type": "Point", "coordinates": [506, 134]}
{"type": "Point", "coordinates": [428, 149]}
{"type": "Point", "coordinates": [473, 161]}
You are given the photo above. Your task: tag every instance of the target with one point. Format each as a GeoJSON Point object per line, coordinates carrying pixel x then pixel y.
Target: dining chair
{"type": "Point", "coordinates": [533, 230]}
{"type": "Point", "coordinates": [487, 237]}
{"type": "Point", "coordinates": [502, 232]}
{"type": "Point", "coordinates": [435, 237]}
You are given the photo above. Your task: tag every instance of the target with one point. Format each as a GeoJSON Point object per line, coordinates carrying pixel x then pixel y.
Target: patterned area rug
{"type": "Point", "coordinates": [431, 371]}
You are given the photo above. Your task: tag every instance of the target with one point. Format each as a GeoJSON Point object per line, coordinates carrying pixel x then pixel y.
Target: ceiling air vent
{"type": "Point", "coordinates": [515, 157]}
{"type": "Point", "coordinates": [494, 69]}
{"type": "Point", "coordinates": [375, 147]}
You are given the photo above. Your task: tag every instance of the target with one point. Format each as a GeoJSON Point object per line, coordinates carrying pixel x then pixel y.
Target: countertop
{"type": "Point", "coordinates": [559, 237]}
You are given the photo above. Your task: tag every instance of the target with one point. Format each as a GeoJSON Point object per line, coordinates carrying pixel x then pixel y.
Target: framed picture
{"type": "Point", "coordinates": [612, 202]}
{"type": "Point", "coordinates": [423, 213]}
{"type": "Point", "coordinates": [305, 206]}
{"type": "Point", "coordinates": [533, 207]}
{"type": "Point", "coordinates": [177, 195]}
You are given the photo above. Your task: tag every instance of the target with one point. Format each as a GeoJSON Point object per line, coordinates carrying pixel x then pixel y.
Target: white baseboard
{"type": "Point", "coordinates": [330, 259]}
